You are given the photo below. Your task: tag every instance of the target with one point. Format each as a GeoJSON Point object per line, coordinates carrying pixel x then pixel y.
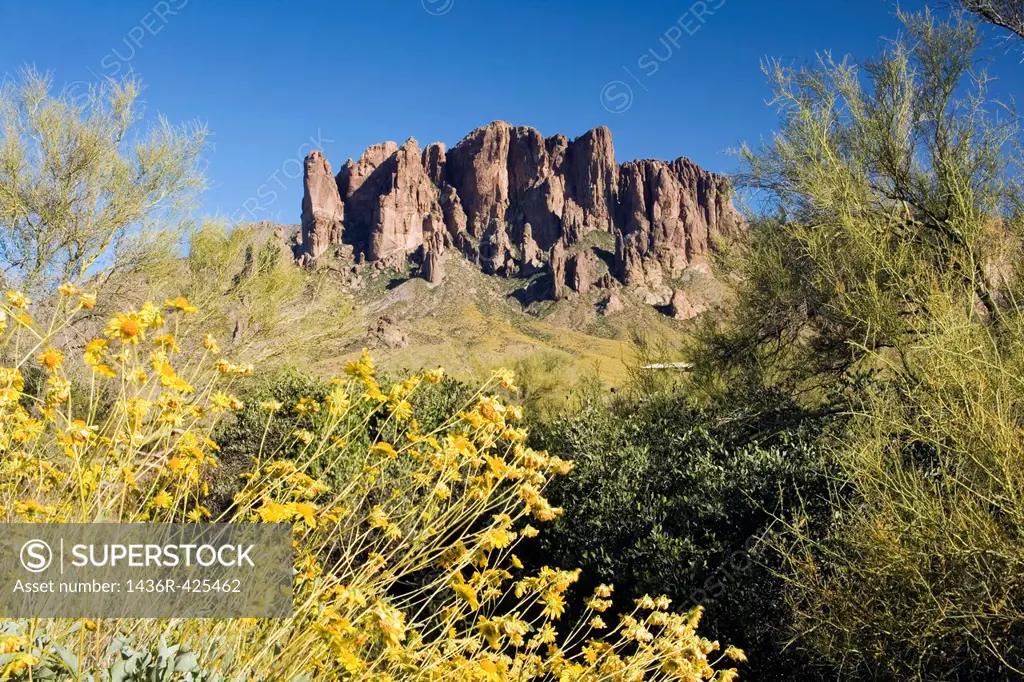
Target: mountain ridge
{"type": "Point", "coordinates": [516, 204]}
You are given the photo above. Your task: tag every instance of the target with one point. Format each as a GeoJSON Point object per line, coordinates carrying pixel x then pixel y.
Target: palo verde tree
{"type": "Point", "coordinates": [84, 191]}
{"type": "Point", "coordinates": [254, 298]}
{"type": "Point", "coordinates": [882, 282]}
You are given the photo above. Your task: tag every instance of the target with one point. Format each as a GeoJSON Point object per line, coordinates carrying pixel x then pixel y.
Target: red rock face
{"type": "Point", "coordinates": [407, 206]}
{"type": "Point", "coordinates": [670, 214]}
{"type": "Point", "coordinates": [510, 199]}
{"type": "Point", "coordinates": [322, 209]}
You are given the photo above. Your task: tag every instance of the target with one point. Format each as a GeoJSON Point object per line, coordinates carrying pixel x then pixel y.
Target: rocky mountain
{"type": "Point", "coordinates": [517, 204]}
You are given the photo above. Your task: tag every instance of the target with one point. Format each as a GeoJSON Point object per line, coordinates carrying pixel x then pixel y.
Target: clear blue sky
{"type": "Point", "coordinates": [266, 76]}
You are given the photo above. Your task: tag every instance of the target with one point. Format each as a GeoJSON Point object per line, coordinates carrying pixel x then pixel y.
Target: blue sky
{"type": "Point", "coordinates": [268, 77]}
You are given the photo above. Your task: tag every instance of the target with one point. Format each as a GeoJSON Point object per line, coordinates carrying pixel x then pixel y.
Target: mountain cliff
{"type": "Point", "coordinates": [516, 203]}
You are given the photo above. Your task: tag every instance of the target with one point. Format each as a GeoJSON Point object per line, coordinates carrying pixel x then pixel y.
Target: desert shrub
{"type": "Point", "coordinates": [667, 499]}
{"type": "Point", "coordinates": [883, 282]}
{"type": "Point", "coordinates": [85, 191]}
{"type": "Point", "coordinates": [446, 506]}
{"type": "Point", "coordinates": [248, 431]}
{"type": "Point", "coordinates": [549, 381]}
{"type": "Point", "coordinates": [252, 295]}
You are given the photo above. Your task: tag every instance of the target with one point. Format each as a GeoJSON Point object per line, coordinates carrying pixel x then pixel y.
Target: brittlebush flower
{"type": "Point", "coordinates": [306, 407]}
{"type": "Point", "coordinates": [105, 371]}
{"type": "Point", "coordinates": [224, 401]}
{"type": "Point", "coordinates": [180, 303]}
{"type": "Point", "coordinates": [126, 327]}
{"type": "Point", "coordinates": [161, 500]}
{"type": "Point", "coordinates": [67, 289]}
{"type": "Point", "coordinates": [210, 344]}
{"type": "Point", "coordinates": [94, 351]}
{"type": "Point", "coordinates": [385, 449]}
{"type": "Point", "coordinates": [272, 512]}
{"type": "Point", "coordinates": [18, 299]}
{"type": "Point", "coordinates": [21, 662]}
{"type": "Point", "coordinates": [271, 405]}
{"type": "Point", "coordinates": [151, 315]}
{"type": "Point", "coordinates": [87, 301]}
{"type": "Point", "coordinates": [337, 402]}
{"type": "Point", "coordinates": [11, 643]}
{"type": "Point", "coordinates": [167, 342]}
{"type": "Point", "coordinates": [51, 359]}
{"type": "Point", "coordinates": [506, 379]}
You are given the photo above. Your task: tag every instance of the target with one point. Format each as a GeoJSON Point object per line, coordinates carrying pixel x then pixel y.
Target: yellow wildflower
{"type": "Point", "coordinates": [51, 359]}
{"type": "Point", "coordinates": [20, 663]}
{"type": "Point", "coordinates": [167, 342]}
{"type": "Point", "coordinates": [151, 315]}
{"type": "Point", "coordinates": [306, 407]}
{"type": "Point", "coordinates": [198, 514]}
{"type": "Point", "coordinates": [337, 402]}
{"type": "Point", "coordinates": [18, 299]}
{"type": "Point", "coordinates": [466, 592]}
{"type": "Point", "coordinates": [180, 303]}
{"type": "Point", "coordinates": [161, 500]}
{"type": "Point", "coordinates": [383, 448]}
{"type": "Point", "coordinates": [94, 351]}
{"type": "Point", "coordinates": [272, 512]}
{"type": "Point", "coordinates": [105, 370]}
{"type": "Point", "coordinates": [126, 327]}
{"type": "Point", "coordinates": [306, 511]}
{"type": "Point", "coordinates": [271, 405]}
{"type": "Point", "coordinates": [506, 379]}
{"type": "Point", "coordinates": [210, 344]}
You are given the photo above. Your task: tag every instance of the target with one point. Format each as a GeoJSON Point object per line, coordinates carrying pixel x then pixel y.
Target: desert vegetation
{"type": "Point", "coordinates": [833, 492]}
{"type": "Point", "coordinates": [857, 413]}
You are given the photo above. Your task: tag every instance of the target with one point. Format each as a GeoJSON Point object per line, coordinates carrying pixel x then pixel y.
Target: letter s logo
{"type": "Point", "coordinates": [36, 556]}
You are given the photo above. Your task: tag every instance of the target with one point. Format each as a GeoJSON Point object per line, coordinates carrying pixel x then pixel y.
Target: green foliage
{"type": "Point", "coordinates": [883, 283]}
{"type": "Point", "coordinates": [83, 192]}
{"type": "Point", "coordinates": [253, 430]}
{"type": "Point", "coordinates": [253, 297]}
{"type": "Point", "coordinates": [886, 192]}
{"type": "Point", "coordinates": [549, 381]}
{"type": "Point", "coordinates": [162, 663]}
{"type": "Point", "coordinates": [666, 499]}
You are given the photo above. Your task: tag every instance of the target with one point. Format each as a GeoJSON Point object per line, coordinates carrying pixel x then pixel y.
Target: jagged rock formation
{"type": "Point", "coordinates": [322, 211]}
{"type": "Point", "coordinates": [611, 305]}
{"type": "Point", "coordinates": [517, 203]}
{"type": "Point", "coordinates": [433, 268]}
{"type": "Point", "coordinates": [670, 214]}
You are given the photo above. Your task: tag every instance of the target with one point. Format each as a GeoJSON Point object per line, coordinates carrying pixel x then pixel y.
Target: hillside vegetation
{"type": "Point", "coordinates": [836, 491]}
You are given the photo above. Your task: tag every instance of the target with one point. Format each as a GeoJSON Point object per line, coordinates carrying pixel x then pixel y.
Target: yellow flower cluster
{"type": "Point", "coordinates": [404, 537]}
{"type": "Point", "coordinates": [143, 450]}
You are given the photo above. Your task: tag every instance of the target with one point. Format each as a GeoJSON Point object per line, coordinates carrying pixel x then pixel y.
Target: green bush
{"type": "Point", "coordinates": [664, 499]}
{"type": "Point", "coordinates": [252, 431]}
